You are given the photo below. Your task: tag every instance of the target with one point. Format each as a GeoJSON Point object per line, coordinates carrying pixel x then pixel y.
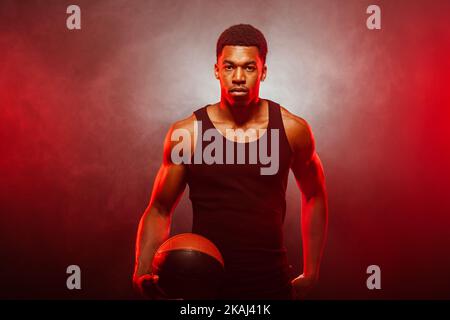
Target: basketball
{"type": "Point", "coordinates": [189, 267]}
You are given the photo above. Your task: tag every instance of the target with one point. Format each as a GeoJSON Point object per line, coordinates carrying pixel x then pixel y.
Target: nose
{"type": "Point", "coordinates": [239, 76]}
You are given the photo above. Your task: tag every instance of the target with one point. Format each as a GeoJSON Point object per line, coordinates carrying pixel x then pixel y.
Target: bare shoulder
{"type": "Point", "coordinates": [181, 134]}
{"type": "Point", "coordinates": [298, 131]}
{"type": "Point", "coordinates": [186, 124]}
{"type": "Point", "coordinates": [179, 129]}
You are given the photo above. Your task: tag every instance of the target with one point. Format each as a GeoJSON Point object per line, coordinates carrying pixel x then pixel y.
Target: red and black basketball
{"type": "Point", "coordinates": [189, 267]}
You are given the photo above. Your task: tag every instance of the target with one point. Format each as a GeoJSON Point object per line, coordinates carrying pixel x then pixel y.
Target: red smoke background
{"type": "Point", "coordinates": [83, 115]}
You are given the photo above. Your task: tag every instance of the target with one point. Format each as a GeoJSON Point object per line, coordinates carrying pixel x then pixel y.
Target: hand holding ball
{"type": "Point", "coordinates": [188, 266]}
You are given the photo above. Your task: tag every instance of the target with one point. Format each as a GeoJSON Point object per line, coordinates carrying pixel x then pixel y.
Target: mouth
{"type": "Point", "coordinates": [238, 91]}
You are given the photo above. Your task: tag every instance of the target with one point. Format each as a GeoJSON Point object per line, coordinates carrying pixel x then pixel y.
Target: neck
{"type": "Point", "coordinates": [240, 113]}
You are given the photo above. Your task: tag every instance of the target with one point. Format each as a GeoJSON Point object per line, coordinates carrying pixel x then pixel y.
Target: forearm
{"type": "Point", "coordinates": [153, 230]}
{"type": "Point", "coordinates": [314, 230]}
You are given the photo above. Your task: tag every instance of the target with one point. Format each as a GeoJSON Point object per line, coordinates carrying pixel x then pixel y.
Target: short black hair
{"type": "Point", "coordinates": [242, 35]}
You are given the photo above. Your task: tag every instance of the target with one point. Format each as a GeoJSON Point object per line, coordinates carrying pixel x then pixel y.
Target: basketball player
{"type": "Point", "coordinates": [235, 205]}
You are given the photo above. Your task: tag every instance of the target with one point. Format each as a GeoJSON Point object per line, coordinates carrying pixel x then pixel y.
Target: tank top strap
{"type": "Point", "coordinates": [276, 122]}
{"type": "Point", "coordinates": [202, 116]}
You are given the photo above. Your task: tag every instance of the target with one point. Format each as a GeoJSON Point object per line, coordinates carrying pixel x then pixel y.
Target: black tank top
{"type": "Point", "coordinates": [241, 210]}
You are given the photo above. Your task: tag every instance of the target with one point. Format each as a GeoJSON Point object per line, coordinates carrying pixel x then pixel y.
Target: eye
{"type": "Point", "coordinates": [228, 67]}
{"type": "Point", "coordinates": [250, 68]}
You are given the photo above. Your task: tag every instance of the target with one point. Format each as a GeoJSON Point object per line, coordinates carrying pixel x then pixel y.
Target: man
{"type": "Point", "coordinates": [236, 204]}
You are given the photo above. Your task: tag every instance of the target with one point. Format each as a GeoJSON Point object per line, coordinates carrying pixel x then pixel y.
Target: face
{"type": "Point", "coordinates": [240, 70]}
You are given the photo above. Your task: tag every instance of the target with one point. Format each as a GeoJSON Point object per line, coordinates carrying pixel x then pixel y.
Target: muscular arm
{"type": "Point", "coordinates": [308, 172]}
{"type": "Point", "coordinates": [314, 213]}
{"type": "Point", "coordinates": [154, 226]}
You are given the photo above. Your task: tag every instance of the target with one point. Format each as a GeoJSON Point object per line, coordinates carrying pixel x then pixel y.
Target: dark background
{"type": "Point", "coordinates": [83, 115]}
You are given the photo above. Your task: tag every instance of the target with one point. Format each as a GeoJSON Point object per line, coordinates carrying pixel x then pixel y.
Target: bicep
{"type": "Point", "coordinates": [305, 164]}
{"type": "Point", "coordinates": [309, 175]}
{"type": "Point", "coordinates": [170, 181]}
{"type": "Point", "coordinates": [169, 185]}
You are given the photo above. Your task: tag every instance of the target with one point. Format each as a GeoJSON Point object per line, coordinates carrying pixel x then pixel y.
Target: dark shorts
{"type": "Point", "coordinates": [258, 275]}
